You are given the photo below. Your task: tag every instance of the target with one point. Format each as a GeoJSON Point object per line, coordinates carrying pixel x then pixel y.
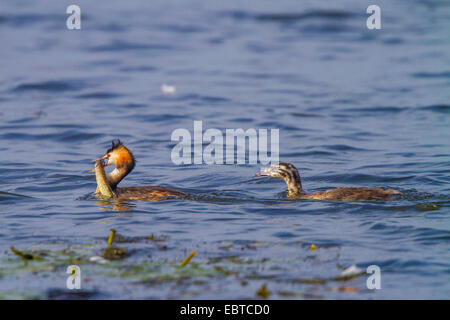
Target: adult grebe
{"type": "Point", "coordinates": [289, 173]}
{"type": "Point", "coordinates": [123, 159]}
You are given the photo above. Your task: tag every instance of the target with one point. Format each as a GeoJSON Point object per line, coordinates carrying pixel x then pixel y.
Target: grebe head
{"type": "Point", "coordinates": [119, 155]}
{"type": "Point", "coordinates": [286, 171]}
{"type": "Point", "coordinates": [279, 170]}
{"type": "Point", "coordinates": [122, 158]}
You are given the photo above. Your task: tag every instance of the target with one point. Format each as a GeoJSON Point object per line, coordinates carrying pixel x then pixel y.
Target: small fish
{"type": "Point", "coordinates": [103, 186]}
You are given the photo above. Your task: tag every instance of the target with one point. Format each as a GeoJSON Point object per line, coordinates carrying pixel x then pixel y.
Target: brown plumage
{"type": "Point", "coordinates": [289, 173]}
{"type": "Point", "coordinates": [124, 162]}
{"type": "Point", "coordinates": [352, 194]}
{"type": "Point", "coordinates": [149, 193]}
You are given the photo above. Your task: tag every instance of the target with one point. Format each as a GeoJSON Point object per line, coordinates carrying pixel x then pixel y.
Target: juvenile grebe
{"type": "Point", "coordinates": [124, 162]}
{"type": "Point", "coordinates": [289, 173]}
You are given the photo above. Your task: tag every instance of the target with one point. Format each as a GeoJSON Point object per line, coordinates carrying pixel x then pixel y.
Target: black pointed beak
{"type": "Point", "coordinates": [104, 164]}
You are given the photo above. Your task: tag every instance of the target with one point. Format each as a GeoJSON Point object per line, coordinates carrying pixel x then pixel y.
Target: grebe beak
{"type": "Point", "coordinates": [263, 173]}
{"type": "Point", "coordinates": [101, 158]}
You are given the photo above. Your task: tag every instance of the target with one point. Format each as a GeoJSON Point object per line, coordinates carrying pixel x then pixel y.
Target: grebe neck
{"type": "Point", "coordinates": [115, 176]}
{"type": "Point", "coordinates": [294, 184]}
{"type": "Point", "coordinates": [289, 173]}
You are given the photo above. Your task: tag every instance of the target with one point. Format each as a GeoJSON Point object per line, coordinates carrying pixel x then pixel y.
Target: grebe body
{"type": "Point", "coordinates": [149, 193]}
{"type": "Point", "coordinates": [289, 173]}
{"type": "Point", "coordinates": [124, 162]}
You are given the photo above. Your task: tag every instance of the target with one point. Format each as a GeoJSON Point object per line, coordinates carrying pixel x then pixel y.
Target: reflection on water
{"type": "Point", "coordinates": [114, 205]}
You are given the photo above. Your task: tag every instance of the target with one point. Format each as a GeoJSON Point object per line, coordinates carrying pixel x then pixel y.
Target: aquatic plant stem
{"type": "Point", "coordinates": [188, 258]}
{"type": "Point", "coordinates": [111, 237]}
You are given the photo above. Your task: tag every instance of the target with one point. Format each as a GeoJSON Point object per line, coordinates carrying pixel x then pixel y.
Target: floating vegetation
{"type": "Point", "coordinates": [188, 258]}
{"type": "Point", "coordinates": [111, 237]}
{"type": "Point", "coordinates": [25, 256]}
{"type": "Point", "coordinates": [155, 238]}
{"type": "Point", "coordinates": [118, 238]}
{"type": "Point", "coordinates": [115, 253]}
{"type": "Point", "coordinates": [288, 294]}
{"type": "Point", "coordinates": [224, 271]}
{"type": "Point", "coordinates": [309, 280]}
{"type": "Point", "coordinates": [263, 292]}
{"type": "Point", "coordinates": [161, 273]}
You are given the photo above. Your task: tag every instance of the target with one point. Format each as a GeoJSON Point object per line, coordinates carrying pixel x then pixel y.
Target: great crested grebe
{"type": "Point", "coordinates": [124, 162]}
{"type": "Point", "coordinates": [289, 173]}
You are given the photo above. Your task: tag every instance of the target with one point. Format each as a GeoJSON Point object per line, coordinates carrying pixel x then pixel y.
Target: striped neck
{"type": "Point", "coordinates": [294, 184]}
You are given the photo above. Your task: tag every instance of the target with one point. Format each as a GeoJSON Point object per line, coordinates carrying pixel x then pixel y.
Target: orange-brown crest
{"type": "Point", "coordinates": [123, 155]}
{"type": "Point", "coordinates": [120, 155]}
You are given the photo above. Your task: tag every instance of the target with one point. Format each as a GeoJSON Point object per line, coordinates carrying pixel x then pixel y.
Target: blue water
{"type": "Point", "coordinates": [355, 107]}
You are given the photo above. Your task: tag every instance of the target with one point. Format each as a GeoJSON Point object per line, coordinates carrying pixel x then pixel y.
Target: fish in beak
{"type": "Point", "coordinates": [104, 164]}
{"type": "Point", "coordinates": [101, 158]}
